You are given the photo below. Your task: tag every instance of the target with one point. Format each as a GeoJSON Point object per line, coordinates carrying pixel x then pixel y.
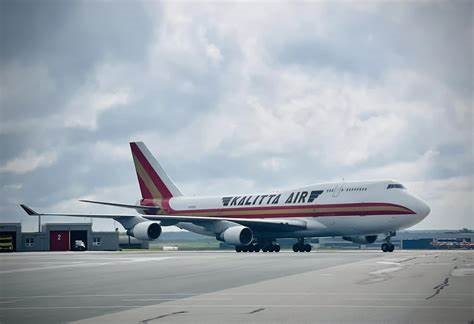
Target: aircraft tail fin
{"type": "Point", "coordinates": [154, 182]}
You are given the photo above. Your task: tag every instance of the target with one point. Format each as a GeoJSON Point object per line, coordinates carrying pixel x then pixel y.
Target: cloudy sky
{"type": "Point", "coordinates": [235, 98]}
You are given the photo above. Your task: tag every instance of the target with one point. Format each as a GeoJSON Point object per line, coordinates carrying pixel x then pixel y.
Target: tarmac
{"type": "Point", "coordinates": [363, 286]}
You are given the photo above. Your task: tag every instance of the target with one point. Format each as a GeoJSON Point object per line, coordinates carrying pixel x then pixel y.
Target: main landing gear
{"type": "Point", "coordinates": [301, 246]}
{"type": "Point", "coordinates": [256, 247]}
{"type": "Point", "coordinates": [387, 246]}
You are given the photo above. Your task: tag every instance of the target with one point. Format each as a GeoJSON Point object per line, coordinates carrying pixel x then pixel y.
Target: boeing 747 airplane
{"type": "Point", "coordinates": [357, 211]}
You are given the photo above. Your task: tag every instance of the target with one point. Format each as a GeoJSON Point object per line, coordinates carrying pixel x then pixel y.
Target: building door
{"type": "Point", "coordinates": [59, 241]}
{"type": "Point", "coordinates": [7, 241]}
{"type": "Point", "coordinates": [77, 236]}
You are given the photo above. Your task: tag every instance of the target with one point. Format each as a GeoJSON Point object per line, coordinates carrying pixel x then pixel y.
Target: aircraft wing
{"type": "Point", "coordinates": [136, 207]}
{"type": "Point", "coordinates": [31, 212]}
{"type": "Point", "coordinates": [257, 224]}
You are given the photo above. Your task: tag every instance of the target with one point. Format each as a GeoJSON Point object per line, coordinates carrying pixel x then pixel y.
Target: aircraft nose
{"type": "Point", "coordinates": [422, 208]}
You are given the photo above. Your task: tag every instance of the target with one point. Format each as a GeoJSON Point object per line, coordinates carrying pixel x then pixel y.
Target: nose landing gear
{"type": "Point", "coordinates": [387, 246]}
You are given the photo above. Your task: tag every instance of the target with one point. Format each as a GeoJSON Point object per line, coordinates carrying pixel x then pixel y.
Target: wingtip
{"type": "Point", "coordinates": [28, 210]}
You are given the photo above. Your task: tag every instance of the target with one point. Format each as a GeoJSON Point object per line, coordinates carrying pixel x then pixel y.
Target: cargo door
{"type": "Point", "coordinates": [59, 241]}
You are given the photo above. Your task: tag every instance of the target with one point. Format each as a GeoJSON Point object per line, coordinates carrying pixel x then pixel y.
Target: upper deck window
{"type": "Point", "coordinates": [395, 186]}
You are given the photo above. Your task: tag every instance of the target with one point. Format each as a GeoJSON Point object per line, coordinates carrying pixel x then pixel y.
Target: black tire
{"type": "Point", "coordinates": [277, 248]}
{"type": "Point", "coordinates": [238, 249]}
{"type": "Point", "coordinates": [391, 247]}
{"type": "Point", "coordinates": [384, 247]}
{"type": "Point", "coordinates": [295, 248]}
{"type": "Point", "coordinates": [307, 247]}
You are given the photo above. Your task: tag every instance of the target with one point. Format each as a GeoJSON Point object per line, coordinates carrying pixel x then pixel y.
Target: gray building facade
{"type": "Point", "coordinates": [57, 237]}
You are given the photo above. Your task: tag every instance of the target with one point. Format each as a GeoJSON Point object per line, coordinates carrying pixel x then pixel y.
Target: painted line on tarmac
{"type": "Point", "coordinates": [462, 272]}
{"type": "Point", "coordinates": [237, 294]}
{"type": "Point", "coordinates": [171, 299]}
{"type": "Point", "coordinates": [83, 264]}
{"type": "Point", "coordinates": [239, 306]}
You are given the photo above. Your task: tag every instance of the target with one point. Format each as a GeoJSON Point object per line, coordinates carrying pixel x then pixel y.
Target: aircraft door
{"type": "Point", "coordinates": [338, 189]}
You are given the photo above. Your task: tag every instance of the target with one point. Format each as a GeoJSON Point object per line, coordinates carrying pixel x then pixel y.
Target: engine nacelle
{"type": "Point", "coordinates": [237, 235]}
{"type": "Point", "coordinates": [146, 231]}
{"type": "Point", "coordinates": [368, 239]}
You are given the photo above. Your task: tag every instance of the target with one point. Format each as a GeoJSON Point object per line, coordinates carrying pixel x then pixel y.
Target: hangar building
{"type": "Point", "coordinates": [57, 237]}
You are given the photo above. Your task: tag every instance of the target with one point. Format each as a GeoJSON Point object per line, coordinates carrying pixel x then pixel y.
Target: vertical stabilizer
{"type": "Point", "coordinates": [154, 182]}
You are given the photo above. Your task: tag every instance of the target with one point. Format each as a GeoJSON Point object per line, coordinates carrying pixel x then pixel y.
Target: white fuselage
{"type": "Point", "coordinates": [331, 209]}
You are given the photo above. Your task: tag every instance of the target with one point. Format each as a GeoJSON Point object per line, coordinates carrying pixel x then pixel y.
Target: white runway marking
{"type": "Point", "coordinates": [461, 272]}
{"type": "Point", "coordinates": [389, 262]}
{"type": "Point", "coordinates": [8, 301]}
{"type": "Point", "coordinates": [396, 267]}
{"type": "Point", "coordinates": [84, 264]}
{"type": "Point", "coordinates": [345, 293]}
{"type": "Point", "coordinates": [240, 306]}
{"type": "Point", "coordinates": [171, 299]}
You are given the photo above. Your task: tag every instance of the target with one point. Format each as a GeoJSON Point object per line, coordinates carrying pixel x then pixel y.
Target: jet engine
{"type": "Point", "coordinates": [237, 235]}
{"type": "Point", "coordinates": [368, 239]}
{"type": "Point", "coordinates": [146, 231]}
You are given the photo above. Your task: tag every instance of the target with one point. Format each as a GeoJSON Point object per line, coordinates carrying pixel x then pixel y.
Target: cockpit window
{"type": "Point", "coordinates": [395, 186]}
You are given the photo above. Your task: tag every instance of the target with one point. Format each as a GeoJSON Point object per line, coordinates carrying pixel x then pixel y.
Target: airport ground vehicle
{"type": "Point", "coordinates": [6, 243]}
{"type": "Point", "coordinates": [79, 245]}
{"type": "Point", "coordinates": [357, 211]}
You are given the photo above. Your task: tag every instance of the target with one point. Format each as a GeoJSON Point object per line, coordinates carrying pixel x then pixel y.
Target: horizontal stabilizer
{"type": "Point", "coordinates": [28, 210]}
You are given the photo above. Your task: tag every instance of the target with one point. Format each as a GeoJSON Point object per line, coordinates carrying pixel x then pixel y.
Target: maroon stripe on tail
{"type": "Point", "coordinates": [143, 188]}
{"type": "Point", "coordinates": [151, 172]}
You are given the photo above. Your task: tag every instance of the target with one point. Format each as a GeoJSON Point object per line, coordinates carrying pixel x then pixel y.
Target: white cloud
{"type": "Point", "coordinates": [451, 202]}
{"type": "Point", "coordinates": [272, 164]}
{"type": "Point", "coordinates": [107, 150]}
{"type": "Point", "coordinates": [413, 170]}
{"type": "Point", "coordinates": [214, 53]}
{"type": "Point", "coordinates": [12, 187]}
{"type": "Point", "coordinates": [29, 161]}
{"type": "Point", "coordinates": [108, 89]}
{"type": "Point", "coordinates": [85, 108]}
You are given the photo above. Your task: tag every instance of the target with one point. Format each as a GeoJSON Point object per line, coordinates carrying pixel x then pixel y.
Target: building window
{"type": "Point", "coordinates": [29, 242]}
{"type": "Point", "coordinates": [97, 241]}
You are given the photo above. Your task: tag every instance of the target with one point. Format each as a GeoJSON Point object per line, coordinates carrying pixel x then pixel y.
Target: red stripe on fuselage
{"type": "Point", "coordinates": [315, 213]}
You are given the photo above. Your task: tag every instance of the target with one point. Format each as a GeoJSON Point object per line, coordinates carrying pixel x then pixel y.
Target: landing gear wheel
{"type": "Point", "coordinates": [388, 246]}
{"type": "Point", "coordinates": [277, 248]}
{"type": "Point", "coordinates": [238, 249]}
{"type": "Point", "coordinates": [299, 247]}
